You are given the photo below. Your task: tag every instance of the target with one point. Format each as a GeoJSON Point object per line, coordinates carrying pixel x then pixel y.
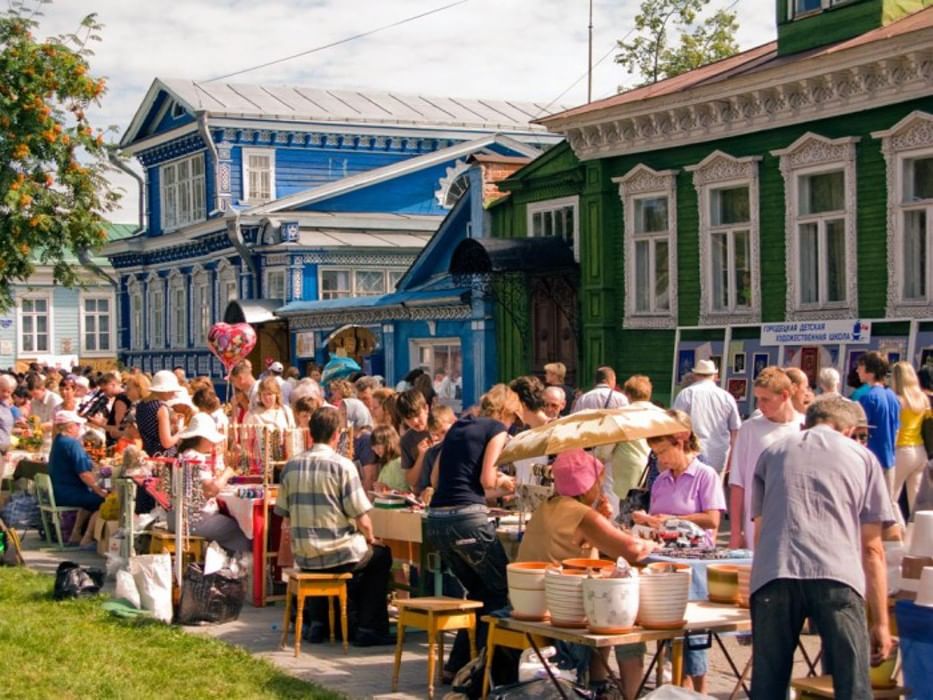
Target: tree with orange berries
{"type": "Point", "coordinates": [54, 194]}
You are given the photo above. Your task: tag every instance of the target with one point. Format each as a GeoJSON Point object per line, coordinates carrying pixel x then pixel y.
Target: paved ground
{"type": "Point", "coordinates": [363, 673]}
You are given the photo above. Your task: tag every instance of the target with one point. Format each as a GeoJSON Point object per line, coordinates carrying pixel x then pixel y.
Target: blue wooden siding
{"type": "Point", "coordinates": [309, 291]}
{"type": "Point", "coordinates": [408, 331]}
{"type": "Point", "coordinates": [409, 194]}
{"type": "Point", "coordinates": [154, 208]}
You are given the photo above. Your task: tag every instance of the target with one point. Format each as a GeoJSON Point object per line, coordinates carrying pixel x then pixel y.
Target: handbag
{"type": "Point", "coordinates": [73, 581]}
{"type": "Point", "coordinates": [638, 498]}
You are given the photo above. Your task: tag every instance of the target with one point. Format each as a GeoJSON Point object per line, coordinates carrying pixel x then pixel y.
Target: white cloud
{"type": "Point", "coordinates": [506, 49]}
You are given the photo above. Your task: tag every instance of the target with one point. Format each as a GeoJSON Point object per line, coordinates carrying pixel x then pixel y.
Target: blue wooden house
{"type": "Point", "coordinates": [57, 325]}
{"type": "Point", "coordinates": [257, 197]}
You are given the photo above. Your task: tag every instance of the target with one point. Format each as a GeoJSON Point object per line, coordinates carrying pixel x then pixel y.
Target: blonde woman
{"type": "Point", "coordinates": [269, 411]}
{"type": "Point", "coordinates": [910, 457]}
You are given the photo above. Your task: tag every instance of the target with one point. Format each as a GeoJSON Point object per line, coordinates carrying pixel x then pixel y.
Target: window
{"type": "Point", "coordinates": [229, 290]}
{"type": "Point", "coordinates": [35, 323]}
{"type": "Point", "coordinates": [338, 283]}
{"type": "Point", "coordinates": [178, 311]}
{"type": "Point", "coordinates": [819, 179]}
{"type": "Point", "coordinates": [183, 192]}
{"type": "Point", "coordinates": [556, 217]}
{"type": "Point", "coordinates": [441, 355]}
{"type": "Point", "coordinates": [202, 308]}
{"type": "Point", "coordinates": [727, 191]}
{"type": "Point", "coordinates": [136, 314]}
{"type": "Point", "coordinates": [97, 327]}
{"type": "Point", "coordinates": [908, 152]}
{"type": "Point", "coordinates": [258, 175]}
{"type": "Point", "coordinates": [157, 313]}
{"type": "Point", "coordinates": [275, 285]}
{"type": "Point", "coordinates": [806, 7]}
{"type": "Point", "coordinates": [649, 206]}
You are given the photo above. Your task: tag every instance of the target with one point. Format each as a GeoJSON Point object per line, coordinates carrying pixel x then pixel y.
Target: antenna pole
{"type": "Point", "coordinates": [589, 62]}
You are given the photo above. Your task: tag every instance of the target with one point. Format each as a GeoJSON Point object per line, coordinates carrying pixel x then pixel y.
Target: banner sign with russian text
{"type": "Point", "coordinates": [816, 332]}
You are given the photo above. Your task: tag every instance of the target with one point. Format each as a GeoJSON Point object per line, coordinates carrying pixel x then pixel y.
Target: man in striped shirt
{"type": "Point", "coordinates": [326, 511]}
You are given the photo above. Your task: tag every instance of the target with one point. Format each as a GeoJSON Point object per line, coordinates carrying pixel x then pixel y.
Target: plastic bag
{"type": "Point", "coordinates": [22, 511]}
{"type": "Point", "coordinates": [538, 689]}
{"type": "Point", "coordinates": [153, 576]}
{"type": "Point", "coordinates": [209, 599]}
{"type": "Point", "coordinates": [72, 581]}
{"type": "Point", "coordinates": [127, 590]}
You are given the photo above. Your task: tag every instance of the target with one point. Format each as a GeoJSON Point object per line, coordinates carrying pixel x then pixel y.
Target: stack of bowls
{"type": "Point", "coordinates": [744, 572]}
{"type": "Point", "coordinates": [526, 590]}
{"type": "Point", "coordinates": [919, 552]}
{"type": "Point", "coordinates": [592, 565]}
{"type": "Point", "coordinates": [663, 594]}
{"type": "Point", "coordinates": [564, 594]}
{"type": "Point", "coordinates": [722, 582]}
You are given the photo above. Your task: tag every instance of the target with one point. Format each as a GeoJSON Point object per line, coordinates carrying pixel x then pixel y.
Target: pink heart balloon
{"type": "Point", "coordinates": [231, 343]}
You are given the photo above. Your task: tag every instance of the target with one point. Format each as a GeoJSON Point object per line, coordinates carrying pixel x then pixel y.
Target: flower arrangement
{"type": "Point", "coordinates": [32, 436]}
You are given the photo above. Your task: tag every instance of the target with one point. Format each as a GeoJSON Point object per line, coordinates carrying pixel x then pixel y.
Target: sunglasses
{"type": "Point", "coordinates": [860, 437]}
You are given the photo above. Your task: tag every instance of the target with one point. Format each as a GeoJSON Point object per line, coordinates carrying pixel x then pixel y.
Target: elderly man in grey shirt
{"type": "Point", "coordinates": [819, 504]}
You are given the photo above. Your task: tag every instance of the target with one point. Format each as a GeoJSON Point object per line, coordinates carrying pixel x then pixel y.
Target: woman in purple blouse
{"type": "Point", "coordinates": [685, 489]}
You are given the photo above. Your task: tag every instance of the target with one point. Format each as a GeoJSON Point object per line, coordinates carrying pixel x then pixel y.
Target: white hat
{"type": "Point", "coordinates": [705, 367]}
{"type": "Point", "coordinates": [180, 401]}
{"type": "Point", "coordinates": [81, 380]}
{"type": "Point", "coordinates": [63, 417]}
{"type": "Point", "coordinates": [165, 382]}
{"type": "Point", "coordinates": [202, 425]}
{"type": "Point", "coordinates": [276, 368]}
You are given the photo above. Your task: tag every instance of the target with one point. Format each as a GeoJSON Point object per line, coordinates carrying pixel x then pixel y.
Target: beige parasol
{"type": "Point", "coordinates": [592, 428]}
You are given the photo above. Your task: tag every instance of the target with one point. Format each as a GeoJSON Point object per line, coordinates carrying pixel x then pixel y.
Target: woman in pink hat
{"type": "Point", "coordinates": [568, 525]}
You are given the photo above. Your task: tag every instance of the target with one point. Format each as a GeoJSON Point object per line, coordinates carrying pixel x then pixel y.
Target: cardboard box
{"type": "Point", "coordinates": [103, 531]}
{"type": "Point", "coordinates": [397, 524]}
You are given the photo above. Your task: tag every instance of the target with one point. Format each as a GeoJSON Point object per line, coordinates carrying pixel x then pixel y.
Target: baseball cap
{"type": "Point", "coordinates": [276, 368]}
{"type": "Point", "coordinates": [63, 417]}
{"type": "Point", "coordinates": [575, 472]}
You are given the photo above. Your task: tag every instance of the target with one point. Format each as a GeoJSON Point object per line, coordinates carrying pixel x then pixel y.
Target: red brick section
{"type": "Point", "coordinates": [496, 169]}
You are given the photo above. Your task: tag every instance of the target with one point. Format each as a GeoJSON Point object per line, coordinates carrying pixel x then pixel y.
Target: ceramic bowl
{"type": "Point", "coordinates": [564, 597]}
{"type": "Point", "coordinates": [528, 574]}
{"type": "Point", "coordinates": [530, 605]}
{"type": "Point", "coordinates": [722, 582]}
{"type": "Point", "coordinates": [586, 564]}
{"type": "Point", "coordinates": [611, 604]}
{"type": "Point", "coordinates": [744, 574]}
{"type": "Point", "coordinates": [663, 599]}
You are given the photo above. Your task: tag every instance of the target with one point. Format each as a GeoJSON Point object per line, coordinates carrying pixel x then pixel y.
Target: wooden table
{"type": "Point", "coordinates": [702, 618]}
{"type": "Point", "coordinates": [402, 531]}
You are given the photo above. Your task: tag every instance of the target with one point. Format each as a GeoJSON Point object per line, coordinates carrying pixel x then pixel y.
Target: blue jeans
{"type": "Point", "coordinates": [467, 543]}
{"type": "Point", "coordinates": [779, 609]}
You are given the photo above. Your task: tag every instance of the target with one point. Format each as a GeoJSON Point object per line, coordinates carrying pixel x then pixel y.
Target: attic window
{"type": "Point", "coordinates": [802, 8]}
{"type": "Point", "coordinates": [177, 110]}
{"type": "Point", "coordinates": [456, 190]}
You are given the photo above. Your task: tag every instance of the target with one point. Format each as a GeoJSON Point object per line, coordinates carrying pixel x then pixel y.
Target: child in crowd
{"type": "Point", "coordinates": [439, 421]}
{"type": "Point", "coordinates": [385, 446]}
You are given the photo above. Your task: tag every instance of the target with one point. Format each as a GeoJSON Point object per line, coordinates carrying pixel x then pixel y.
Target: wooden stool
{"type": "Point", "coordinates": [822, 687]}
{"type": "Point", "coordinates": [304, 585]}
{"type": "Point", "coordinates": [498, 636]}
{"type": "Point", "coordinates": [436, 616]}
{"type": "Point", "coordinates": [164, 541]}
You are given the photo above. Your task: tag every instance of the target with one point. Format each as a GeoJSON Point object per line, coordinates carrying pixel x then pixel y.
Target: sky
{"type": "Point", "coordinates": [499, 49]}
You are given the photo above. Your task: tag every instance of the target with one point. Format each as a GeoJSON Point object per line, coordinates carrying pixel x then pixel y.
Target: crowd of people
{"type": "Point", "coordinates": [788, 476]}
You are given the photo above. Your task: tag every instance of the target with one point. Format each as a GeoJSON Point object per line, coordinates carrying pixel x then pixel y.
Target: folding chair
{"type": "Point", "coordinates": [47, 507]}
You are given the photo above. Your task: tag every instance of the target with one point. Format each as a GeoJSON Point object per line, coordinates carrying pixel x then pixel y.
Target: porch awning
{"type": "Point", "coordinates": [251, 311]}
{"type": "Point", "coordinates": [475, 256]}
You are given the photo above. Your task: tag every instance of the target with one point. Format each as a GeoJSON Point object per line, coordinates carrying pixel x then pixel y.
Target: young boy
{"type": "Point", "coordinates": [439, 422]}
{"type": "Point", "coordinates": [413, 411]}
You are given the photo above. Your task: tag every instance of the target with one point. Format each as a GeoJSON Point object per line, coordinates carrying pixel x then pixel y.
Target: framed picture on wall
{"type": "Point", "coordinates": [854, 356]}
{"type": "Point", "coordinates": [738, 388]}
{"type": "Point", "coordinates": [738, 363]}
{"type": "Point", "coordinates": [894, 357]}
{"type": "Point", "coordinates": [926, 356]}
{"type": "Point", "coordinates": [760, 360]}
{"type": "Point", "coordinates": [685, 362]}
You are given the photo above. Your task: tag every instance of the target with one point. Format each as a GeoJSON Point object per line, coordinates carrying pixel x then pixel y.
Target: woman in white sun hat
{"type": "Point", "coordinates": [202, 445]}
{"type": "Point", "coordinates": [154, 418]}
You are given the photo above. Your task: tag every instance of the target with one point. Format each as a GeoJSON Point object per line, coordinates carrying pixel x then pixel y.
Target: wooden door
{"type": "Point", "coordinates": [554, 333]}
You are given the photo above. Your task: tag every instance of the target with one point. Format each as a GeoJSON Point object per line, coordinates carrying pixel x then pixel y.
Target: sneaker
{"type": "Point", "coordinates": [368, 638]}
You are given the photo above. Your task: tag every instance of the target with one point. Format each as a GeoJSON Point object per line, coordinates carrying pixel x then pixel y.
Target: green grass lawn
{"type": "Point", "coordinates": [73, 649]}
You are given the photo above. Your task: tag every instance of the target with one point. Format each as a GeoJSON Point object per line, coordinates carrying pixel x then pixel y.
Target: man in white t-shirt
{"type": "Point", "coordinates": [778, 419]}
{"type": "Point", "coordinates": [713, 412]}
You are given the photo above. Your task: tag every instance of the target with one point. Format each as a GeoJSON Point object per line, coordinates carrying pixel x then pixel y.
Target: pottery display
{"type": "Point", "coordinates": [722, 583]}
{"type": "Point", "coordinates": [611, 604]}
{"type": "Point", "coordinates": [882, 675]}
{"type": "Point", "coordinates": [925, 589]}
{"type": "Point", "coordinates": [564, 596]}
{"type": "Point", "coordinates": [664, 590]}
{"type": "Point", "coordinates": [526, 590]}
{"type": "Point", "coordinates": [744, 574]}
{"type": "Point", "coordinates": [588, 564]}
{"type": "Point", "coordinates": [921, 538]}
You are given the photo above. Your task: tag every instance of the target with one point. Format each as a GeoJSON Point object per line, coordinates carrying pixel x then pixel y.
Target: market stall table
{"type": "Point", "coordinates": [702, 618]}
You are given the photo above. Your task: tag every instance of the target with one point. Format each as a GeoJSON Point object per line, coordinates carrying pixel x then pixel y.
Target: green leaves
{"type": "Point", "coordinates": [54, 194]}
{"type": "Point", "coordinates": [655, 55]}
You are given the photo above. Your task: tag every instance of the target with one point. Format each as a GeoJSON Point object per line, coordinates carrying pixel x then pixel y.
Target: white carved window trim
{"type": "Point", "coordinates": [453, 185]}
{"type": "Point", "coordinates": [202, 311]}
{"type": "Point", "coordinates": [250, 197]}
{"type": "Point", "coordinates": [189, 194]}
{"type": "Point", "coordinates": [639, 183]}
{"type": "Point", "coordinates": [156, 294]}
{"type": "Point", "coordinates": [808, 155]}
{"type": "Point", "coordinates": [82, 324]}
{"type": "Point", "coordinates": [276, 277]}
{"type": "Point", "coordinates": [715, 172]}
{"type": "Point", "coordinates": [177, 310]}
{"type": "Point", "coordinates": [910, 138]}
{"type": "Point", "coordinates": [20, 314]}
{"type": "Point", "coordinates": [134, 292]}
{"type": "Point", "coordinates": [553, 206]}
{"type": "Point", "coordinates": [391, 278]}
{"type": "Point", "coordinates": [226, 280]}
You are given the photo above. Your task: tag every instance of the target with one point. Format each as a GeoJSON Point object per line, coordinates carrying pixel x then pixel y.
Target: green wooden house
{"type": "Point", "coordinates": [773, 207]}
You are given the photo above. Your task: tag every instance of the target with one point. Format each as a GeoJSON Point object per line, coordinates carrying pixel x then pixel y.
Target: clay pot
{"type": "Point", "coordinates": [526, 590]}
{"type": "Point", "coordinates": [564, 596]}
{"type": "Point", "coordinates": [663, 595]}
{"type": "Point", "coordinates": [744, 574]}
{"type": "Point", "coordinates": [921, 540]}
{"type": "Point", "coordinates": [882, 675]}
{"type": "Point", "coordinates": [722, 582]}
{"type": "Point", "coordinates": [611, 604]}
{"type": "Point", "coordinates": [583, 564]}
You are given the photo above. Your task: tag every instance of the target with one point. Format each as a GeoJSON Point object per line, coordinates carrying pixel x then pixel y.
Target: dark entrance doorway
{"type": "Point", "coordinates": [554, 325]}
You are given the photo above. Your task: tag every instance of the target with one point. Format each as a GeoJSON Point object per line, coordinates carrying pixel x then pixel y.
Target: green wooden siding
{"type": "Point", "coordinates": [830, 25]}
